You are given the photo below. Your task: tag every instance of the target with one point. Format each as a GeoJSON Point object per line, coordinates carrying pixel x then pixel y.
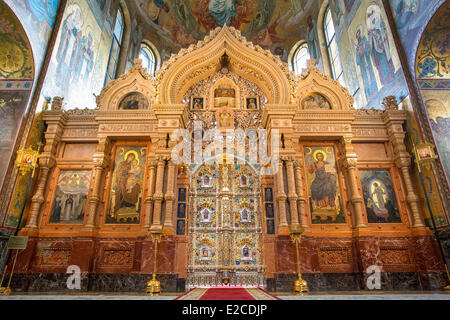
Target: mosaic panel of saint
{"type": "Point", "coordinates": [127, 185]}
{"type": "Point", "coordinates": [323, 187]}
{"type": "Point", "coordinates": [134, 101]}
{"type": "Point", "coordinates": [379, 196]}
{"type": "Point", "coordinates": [71, 197]}
{"type": "Point", "coordinates": [224, 97]}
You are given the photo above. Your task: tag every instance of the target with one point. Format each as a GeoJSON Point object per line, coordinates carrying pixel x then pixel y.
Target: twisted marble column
{"type": "Point", "coordinates": [349, 163]}
{"type": "Point", "coordinates": [281, 199]}
{"type": "Point", "coordinates": [151, 190]}
{"type": "Point", "coordinates": [170, 196]}
{"type": "Point", "coordinates": [158, 196]}
{"type": "Point", "coordinates": [393, 120]}
{"type": "Point", "coordinates": [300, 196]}
{"type": "Point", "coordinates": [292, 194]}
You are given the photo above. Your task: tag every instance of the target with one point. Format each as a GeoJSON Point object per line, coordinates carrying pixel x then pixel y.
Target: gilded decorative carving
{"type": "Point", "coordinates": [312, 80]}
{"type": "Point", "coordinates": [125, 128]}
{"type": "Point", "coordinates": [334, 256]}
{"type": "Point", "coordinates": [135, 80]}
{"type": "Point", "coordinates": [57, 104]}
{"type": "Point", "coordinates": [54, 257]}
{"type": "Point", "coordinates": [248, 60]}
{"type": "Point", "coordinates": [394, 256]}
{"type": "Point", "coordinates": [117, 258]}
{"type": "Point", "coordinates": [80, 133]}
{"type": "Point", "coordinates": [390, 103]}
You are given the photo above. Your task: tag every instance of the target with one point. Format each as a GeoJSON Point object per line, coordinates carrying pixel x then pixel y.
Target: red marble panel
{"type": "Point", "coordinates": [24, 258]}
{"type": "Point", "coordinates": [165, 258]}
{"type": "Point", "coordinates": [115, 256]}
{"type": "Point", "coordinates": [147, 256]}
{"type": "Point", "coordinates": [427, 254]}
{"type": "Point", "coordinates": [82, 253]}
{"type": "Point", "coordinates": [286, 255]}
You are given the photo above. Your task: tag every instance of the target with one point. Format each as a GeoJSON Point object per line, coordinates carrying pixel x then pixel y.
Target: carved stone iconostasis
{"type": "Point", "coordinates": [107, 180]}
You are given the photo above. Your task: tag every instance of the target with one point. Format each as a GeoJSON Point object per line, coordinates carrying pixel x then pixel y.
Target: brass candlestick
{"type": "Point", "coordinates": [300, 285]}
{"type": "Point", "coordinates": [154, 286]}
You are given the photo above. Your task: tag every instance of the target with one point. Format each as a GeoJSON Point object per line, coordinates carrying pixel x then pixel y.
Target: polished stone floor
{"type": "Point", "coordinates": [362, 295]}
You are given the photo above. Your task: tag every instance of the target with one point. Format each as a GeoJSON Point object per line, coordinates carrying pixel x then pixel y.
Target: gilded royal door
{"type": "Point", "coordinates": [225, 227]}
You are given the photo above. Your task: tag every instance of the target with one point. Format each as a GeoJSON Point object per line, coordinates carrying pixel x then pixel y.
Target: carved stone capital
{"type": "Point", "coordinates": [298, 164]}
{"type": "Point", "coordinates": [349, 163]}
{"type": "Point", "coordinates": [402, 162]}
{"type": "Point", "coordinates": [169, 197]}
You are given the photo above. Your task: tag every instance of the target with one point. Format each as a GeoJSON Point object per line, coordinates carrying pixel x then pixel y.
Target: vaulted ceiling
{"type": "Point", "coordinates": [273, 24]}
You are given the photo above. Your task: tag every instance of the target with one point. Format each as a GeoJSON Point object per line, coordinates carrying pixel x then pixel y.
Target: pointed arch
{"type": "Point", "coordinates": [203, 59]}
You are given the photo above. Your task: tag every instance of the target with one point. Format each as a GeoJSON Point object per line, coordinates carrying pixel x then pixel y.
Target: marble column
{"type": "Point", "coordinates": [55, 120]}
{"type": "Point", "coordinates": [394, 120]}
{"type": "Point", "coordinates": [349, 162]}
{"type": "Point", "coordinates": [151, 190]}
{"type": "Point", "coordinates": [292, 194]}
{"type": "Point", "coordinates": [411, 196]}
{"type": "Point", "coordinates": [170, 198]}
{"type": "Point", "coordinates": [100, 163]}
{"type": "Point", "coordinates": [158, 195]}
{"type": "Point", "coordinates": [283, 227]}
{"type": "Point", "coordinates": [300, 196]}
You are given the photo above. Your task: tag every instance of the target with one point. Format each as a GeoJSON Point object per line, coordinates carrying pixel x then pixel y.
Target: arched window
{"type": "Point", "coordinates": [332, 48]}
{"type": "Point", "coordinates": [148, 58]}
{"type": "Point", "coordinates": [300, 57]}
{"type": "Point", "coordinates": [119, 27]}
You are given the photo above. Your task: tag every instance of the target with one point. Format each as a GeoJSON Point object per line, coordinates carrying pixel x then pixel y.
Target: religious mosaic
{"type": "Point", "coordinates": [205, 212]}
{"type": "Point", "coordinates": [205, 249]}
{"type": "Point", "coordinates": [16, 58]}
{"type": "Point", "coordinates": [79, 60]}
{"type": "Point", "coordinates": [206, 179]}
{"type": "Point", "coordinates": [127, 185]}
{"type": "Point", "coordinates": [245, 210]}
{"type": "Point", "coordinates": [246, 250]}
{"type": "Point", "coordinates": [71, 196]}
{"type": "Point", "coordinates": [379, 196]}
{"type": "Point", "coordinates": [268, 23]}
{"type": "Point", "coordinates": [244, 179]}
{"type": "Point", "coordinates": [134, 101]}
{"type": "Point", "coordinates": [323, 185]}
{"type": "Point", "coordinates": [315, 101]}
{"type": "Point", "coordinates": [433, 58]}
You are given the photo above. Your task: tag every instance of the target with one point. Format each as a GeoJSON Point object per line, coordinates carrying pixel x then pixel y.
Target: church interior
{"type": "Point", "coordinates": [168, 145]}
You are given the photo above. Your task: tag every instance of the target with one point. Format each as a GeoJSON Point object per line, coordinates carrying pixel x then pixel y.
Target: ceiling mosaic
{"type": "Point", "coordinates": [272, 24]}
